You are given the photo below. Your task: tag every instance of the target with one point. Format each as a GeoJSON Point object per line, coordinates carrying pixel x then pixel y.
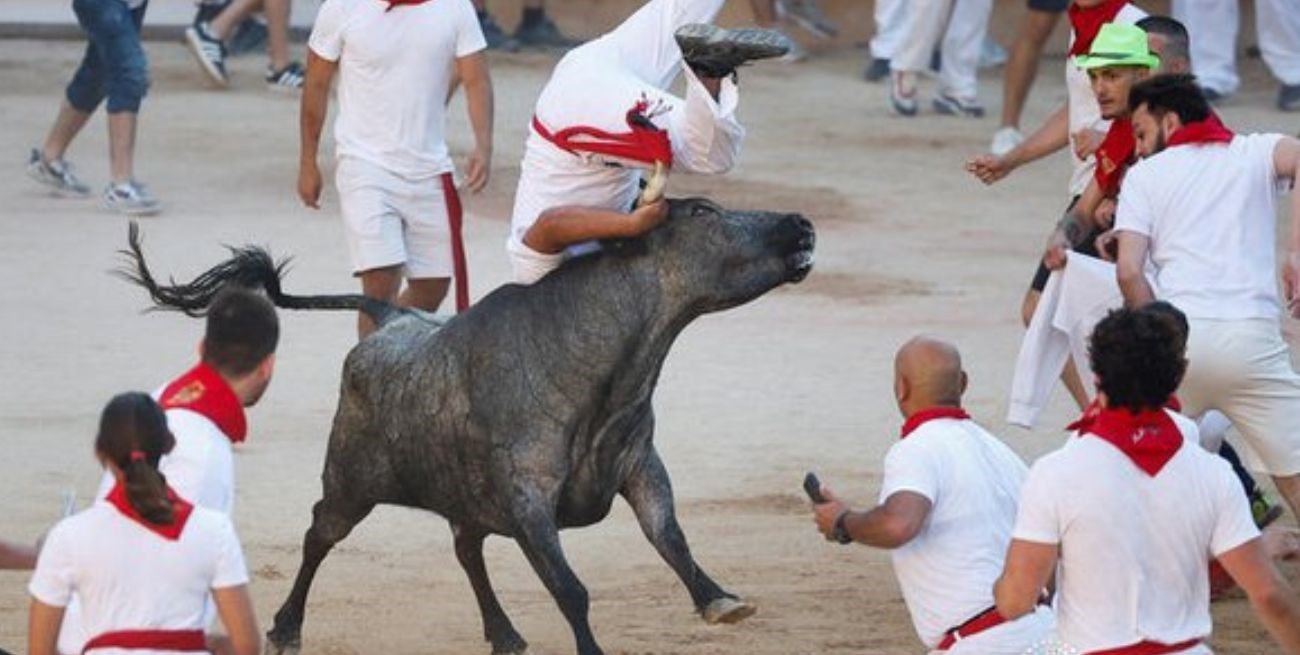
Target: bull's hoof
{"type": "Point", "coordinates": [517, 646]}
{"type": "Point", "coordinates": [281, 647]}
{"type": "Point", "coordinates": [727, 610]}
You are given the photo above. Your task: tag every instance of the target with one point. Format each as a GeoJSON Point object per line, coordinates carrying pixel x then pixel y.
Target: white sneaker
{"type": "Point", "coordinates": [131, 198]}
{"type": "Point", "coordinates": [57, 175]}
{"type": "Point", "coordinates": [1005, 140]}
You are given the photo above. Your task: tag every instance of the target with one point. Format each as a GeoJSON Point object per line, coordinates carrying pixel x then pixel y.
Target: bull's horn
{"type": "Point", "coordinates": [654, 187]}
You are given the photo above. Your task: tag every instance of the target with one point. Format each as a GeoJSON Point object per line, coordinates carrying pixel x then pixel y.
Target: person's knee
{"type": "Point", "coordinates": [427, 294]}
{"type": "Point", "coordinates": [84, 95]}
{"type": "Point", "coordinates": [382, 283]}
{"type": "Point", "coordinates": [128, 87]}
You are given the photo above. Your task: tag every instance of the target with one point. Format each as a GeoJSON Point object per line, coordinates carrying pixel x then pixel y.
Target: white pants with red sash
{"type": "Point", "coordinates": [1214, 25]}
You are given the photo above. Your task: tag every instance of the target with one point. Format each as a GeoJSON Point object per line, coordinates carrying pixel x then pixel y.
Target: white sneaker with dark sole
{"type": "Point", "coordinates": [209, 52]}
{"type": "Point", "coordinates": [288, 79]}
{"type": "Point", "coordinates": [131, 199]}
{"type": "Point", "coordinates": [717, 52]}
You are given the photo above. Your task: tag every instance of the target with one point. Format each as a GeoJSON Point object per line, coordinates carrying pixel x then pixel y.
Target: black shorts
{"type": "Point", "coordinates": [1087, 247]}
{"type": "Point", "coordinates": [1053, 6]}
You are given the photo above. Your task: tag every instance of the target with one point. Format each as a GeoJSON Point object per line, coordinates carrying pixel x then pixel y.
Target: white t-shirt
{"type": "Point", "coordinates": [1210, 212]}
{"type": "Point", "coordinates": [1135, 549]}
{"type": "Point", "coordinates": [1084, 112]}
{"type": "Point", "coordinates": [395, 68]}
{"type": "Point", "coordinates": [972, 479]}
{"type": "Point", "coordinates": [130, 578]}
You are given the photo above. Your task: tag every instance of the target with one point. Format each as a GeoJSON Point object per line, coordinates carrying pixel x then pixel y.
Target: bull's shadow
{"type": "Point", "coordinates": [529, 412]}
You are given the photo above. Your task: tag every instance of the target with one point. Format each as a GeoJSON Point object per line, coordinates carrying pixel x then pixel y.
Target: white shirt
{"type": "Point", "coordinates": [1135, 549]}
{"type": "Point", "coordinates": [395, 68]}
{"type": "Point", "coordinates": [1210, 212]}
{"type": "Point", "coordinates": [972, 479]}
{"type": "Point", "coordinates": [130, 578]}
{"type": "Point", "coordinates": [1084, 112]}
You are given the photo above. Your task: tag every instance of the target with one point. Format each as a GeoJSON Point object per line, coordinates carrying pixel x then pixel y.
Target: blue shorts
{"type": "Point", "coordinates": [1053, 6]}
{"type": "Point", "coordinates": [114, 66]}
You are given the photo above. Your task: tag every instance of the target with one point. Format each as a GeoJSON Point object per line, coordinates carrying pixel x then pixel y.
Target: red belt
{"type": "Point", "coordinates": [460, 270]}
{"type": "Point", "coordinates": [989, 618]}
{"type": "Point", "coordinates": [189, 641]}
{"type": "Point", "coordinates": [1148, 648]}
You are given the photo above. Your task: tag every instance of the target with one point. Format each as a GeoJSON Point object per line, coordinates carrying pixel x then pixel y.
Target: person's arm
{"type": "Point", "coordinates": [1074, 226]}
{"type": "Point", "coordinates": [1286, 165]}
{"type": "Point", "coordinates": [1052, 136]}
{"type": "Point", "coordinates": [560, 227]}
{"type": "Point", "coordinates": [891, 524]}
{"type": "Point", "coordinates": [315, 105]}
{"type": "Point", "coordinates": [43, 622]}
{"type": "Point", "coordinates": [1130, 269]}
{"type": "Point", "coordinates": [1273, 600]}
{"type": "Point", "coordinates": [15, 556]}
{"type": "Point", "coordinates": [236, 611]}
{"type": "Point", "coordinates": [473, 72]}
{"type": "Point", "coordinates": [1027, 572]}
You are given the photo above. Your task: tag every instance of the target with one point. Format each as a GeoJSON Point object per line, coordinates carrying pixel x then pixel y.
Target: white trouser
{"type": "Point", "coordinates": [891, 28]}
{"type": "Point", "coordinates": [1012, 638]}
{"type": "Point", "coordinates": [962, 25]}
{"type": "Point", "coordinates": [1213, 26]}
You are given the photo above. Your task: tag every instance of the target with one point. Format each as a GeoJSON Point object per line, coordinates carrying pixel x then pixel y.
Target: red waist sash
{"type": "Point", "coordinates": [1148, 648]}
{"type": "Point", "coordinates": [989, 618]}
{"type": "Point", "coordinates": [189, 641]}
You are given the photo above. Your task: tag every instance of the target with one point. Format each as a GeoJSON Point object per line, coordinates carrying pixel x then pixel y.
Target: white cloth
{"type": "Point", "coordinates": [1084, 112]}
{"type": "Point", "coordinates": [891, 27]}
{"type": "Point", "coordinates": [595, 85]}
{"type": "Point", "coordinates": [126, 577]}
{"type": "Point", "coordinates": [1134, 549]}
{"type": "Point", "coordinates": [1210, 212]}
{"type": "Point", "coordinates": [961, 25]}
{"type": "Point", "coordinates": [947, 571]}
{"type": "Point", "coordinates": [1213, 27]}
{"type": "Point", "coordinates": [395, 69]}
{"type": "Point", "coordinates": [391, 220]}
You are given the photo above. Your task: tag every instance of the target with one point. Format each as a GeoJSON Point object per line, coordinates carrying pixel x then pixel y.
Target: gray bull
{"type": "Point", "coordinates": [531, 411]}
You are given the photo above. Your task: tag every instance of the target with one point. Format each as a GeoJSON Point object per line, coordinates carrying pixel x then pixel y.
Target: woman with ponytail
{"type": "Point", "coordinates": [143, 561]}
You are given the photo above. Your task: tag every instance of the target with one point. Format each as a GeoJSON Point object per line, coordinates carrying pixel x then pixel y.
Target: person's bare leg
{"type": "Point", "coordinates": [66, 126]}
{"type": "Point", "coordinates": [1022, 65]}
{"type": "Point", "coordinates": [380, 284]}
{"type": "Point", "coordinates": [764, 12]}
{"type": "Point", "coordinates": [121, 146]}
{"type": "Point", "coordinates": [277, 32]}
{"type": "Point", "coordinates": [1289, 489]}
{"type": "Point", "coordinates": [426, 294]}
{"type": "Point", "coordinates": [225, 23]}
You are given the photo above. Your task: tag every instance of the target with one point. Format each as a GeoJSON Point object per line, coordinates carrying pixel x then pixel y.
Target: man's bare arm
{"type": "Point", "coordinates": [890, 524]}
{"type": "Point", "coordinates": [1053, 135]}
{"type": "Point", "coordinates": [315, 105]}
{"type": "Point", "coordinates": [473, 72]}
{"type": "Point", "coordinates": [560, 227]}
{"type": "Point", "coordinates": [1286, 165]}
{"type": "Point", "coordinates": [1130, 269]}
{"type": "Point", "coordinates": [1025, 575]}
{"type": "Point", "coordinates": [1274, 601]}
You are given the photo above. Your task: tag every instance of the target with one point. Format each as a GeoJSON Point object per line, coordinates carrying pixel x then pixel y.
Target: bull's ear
{"type": "Point", "coordinates": [628, 247]}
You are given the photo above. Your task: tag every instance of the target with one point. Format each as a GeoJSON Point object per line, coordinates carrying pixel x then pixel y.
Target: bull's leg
{"type": "Point", "coordinates": [333, 518]}
{"type": "Point", "coordinates": [650, 493]}
{"type": "Point", "coordinates": [497, 628]}
{"type": "Point", "coordinates": [539, 538]}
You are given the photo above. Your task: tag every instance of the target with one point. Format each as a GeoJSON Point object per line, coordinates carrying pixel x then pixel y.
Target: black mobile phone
{"type": "Point", "coordinates": [813, 487]}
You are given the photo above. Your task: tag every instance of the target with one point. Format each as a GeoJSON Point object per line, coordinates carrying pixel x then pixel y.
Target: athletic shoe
{"type": "Point", "coordinates": [1005, 140]}
{"type": "Point", "coordinates": [716, 52]}
{"type": "Point", "coordinates": [209, 51]}
{"type": "Point", "coordinates": [1264, 510]}
{"type": "Point", "coordinates": [131, 198]}
{"type": "Point", "coordinates": [496, 38]}
{"type": "Point", "coordinates": [1288, 97]}
{"type": "Point", "coordinates": [954, 106]}
{"type": "Point", "coordinates": [877, 70]}
{"type": "Point", "coordinates": [289, 78]}
{"type": "Point", "coordinates": [808, 15]}
{"type": "Point", "coordinates": [992, 54]}
{"type": "Point", "coordinates": [902, 93]}
{"type": "Point", "coordinates": [250, 36]}
{"type": "Point", "coordinates": [57, 175]}
{"type": "Point", "coordinates": [209, 10]}
{"type": "Point", "coordinates": [543, 33]}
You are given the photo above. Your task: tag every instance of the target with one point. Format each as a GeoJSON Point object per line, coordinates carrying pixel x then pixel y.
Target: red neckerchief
{"type": "Point", "coordinates": [204, 391]}
{"type": "Point", "coordinates": [1116, 152]}
{"type": "Point", "coordinates": [1210, 130]}
{"type": "Point", "coordinates": [1087, 22]}
{"type": "Point", "coordinates": [181, 511]}
{"type": "Point", "coordinates": [398, 3]}
{"type": "Point", "coordinates": [922, 417]}
{"type": "Point", "coordinates": [1094, 408]}
{"type": "Point", "coordinates": [1149, 439]}
{"type": "Point", "coordinates": [645, 143]}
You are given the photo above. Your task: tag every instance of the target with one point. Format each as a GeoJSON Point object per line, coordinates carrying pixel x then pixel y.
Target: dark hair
{"type": "Point", "coordinates": [133, 435]}
{"type": "Point", "coordinates": [242, 331]}
{"type": "Point", "coordinates": [1178, 42]}
{"type": "Point", "coordinates": [1165, 93]}
{"type": "Point", "coordinates": [1138, 355]}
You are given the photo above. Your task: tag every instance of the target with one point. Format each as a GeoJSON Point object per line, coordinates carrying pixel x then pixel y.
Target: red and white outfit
{"type": "Point", "coordinates": [394, 174]}
{"type": "Point", "coordinates": [590, 95]}
{"type": "Point", "coordinates": [958, 27]}
{"type": "Point", "coordinates": [1213, 25]}
{"type": "Point", "coordinates": [142, 588]}
{"type": "Point", "coordinates": [1208, 203]}
{"type": "Point", "coordinates": [947, 571]}
{"type": "Point", "coordinates": [1138, 510]}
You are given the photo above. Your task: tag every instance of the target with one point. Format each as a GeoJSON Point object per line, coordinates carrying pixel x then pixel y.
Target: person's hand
{"type": "Point", "coordinates": [1107, 244]}
{"type": "Point", "coordinates": [1104, 216]}
{"type": "Point", "coordinates": [826, 514]}
{"type": "Point", "coordinates": [1086, 141]}
{"type": "Point", "coordinates": [1291, 282]}
{"type": "Point", "coordinates": [309, 184]}
{"type": "Point", "coordinates": [478, 169]}
{"type": "Point", "coordinates": [989, 168]}
{"type": "Point", "coordinates": [1054, 254]}
{"type": "Point", "coordinates": [648, 217]}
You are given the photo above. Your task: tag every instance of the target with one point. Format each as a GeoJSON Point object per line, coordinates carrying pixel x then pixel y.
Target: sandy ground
{"type": "Point", "coordinates": [749, 400]}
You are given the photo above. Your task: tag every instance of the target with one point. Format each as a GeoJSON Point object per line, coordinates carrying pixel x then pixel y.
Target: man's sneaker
{"type": "Point", "coordinates": [57, 175]}
{"type": "Point", "coordinates": [131, 198]}
{"type": "Point", "coordinates": [542, 33]}
{"type": "Point", "coordinates": [902, 93]}
{"type": "Point", "coordinates": [289, 78]}
{"type": "Point", "coordinates": [1005, 140]}
{"type": "Point", "coordinates": [716, 52]}
{"type": "Point", "coordinates": [808, 15]}
{"type": "Point", "coordinates": [250, 36]}
{"type": "Point", "coordinates": [496, 38]}
{"type": "Point", "coordinates": [877, 70]}
{"type": "Point", "coordinates": [1264, 511]}
{"type": "Point", "coordinates": [210, 10]}
{"type": "Point", "coordinates": [1288, 97]}
{"type": "Point", "coordinates": [209, 51]}
{"type": "Point", "coordinates": [954, 106]}
{"type": "Point", "coordinates": [992, 54]}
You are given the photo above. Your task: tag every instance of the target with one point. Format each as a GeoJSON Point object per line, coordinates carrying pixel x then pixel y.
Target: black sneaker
{"type": "Point", "coordinates": [713, 51]}
{"type": "Point", "coordinates": [877, 70]}
{"type": "Point", "coordinates": [543, 33]}
{"type": "Point", "coordinates": [1288, 97]}
{"type": "Point", "coordinates": [250, 36]}
{"type": "Point", "coordinates": [208, 51]}
{"type": "Point", "coordinates": [496, 38]}
{"type": "Point", "coordinates": [289, 78]}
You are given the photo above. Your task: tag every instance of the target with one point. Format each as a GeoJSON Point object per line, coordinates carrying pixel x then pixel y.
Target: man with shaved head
{"type": "Point", "coordinates": [947, 506]}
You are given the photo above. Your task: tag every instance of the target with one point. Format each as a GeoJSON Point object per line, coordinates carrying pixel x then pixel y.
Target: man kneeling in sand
{"type": "Point", "coordinates": [947, 506]}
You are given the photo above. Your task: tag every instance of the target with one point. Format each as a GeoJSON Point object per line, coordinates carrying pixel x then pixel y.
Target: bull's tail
{"type": "Point", "coordinates": [250, 267]}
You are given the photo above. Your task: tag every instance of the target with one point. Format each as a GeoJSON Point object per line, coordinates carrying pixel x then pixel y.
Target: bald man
{"type": "Point", "coordinates": [947, 506]}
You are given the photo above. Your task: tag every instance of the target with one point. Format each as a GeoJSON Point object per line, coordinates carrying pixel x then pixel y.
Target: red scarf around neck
{"type": "Point", "coordinates": [926, 415]}
{"type": "Point", "coordinates": [1210, 130]}
{"type": "Point", "coordinates": [202, 390]}
{"type": "Point", "coordinates": [181, 511]}
{"type": "Point", "coordinates": [1149, 439]}
{"type": "Point", "coordinates": [1114, 156]}
{"type": "Point", "coordinates": [1087, 22]}
{"type": "Point", "coordinates": [399, 3]}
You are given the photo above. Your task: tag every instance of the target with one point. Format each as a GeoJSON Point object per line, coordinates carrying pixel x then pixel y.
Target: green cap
{"type": "Point", "coordinates": [1118, 44]}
